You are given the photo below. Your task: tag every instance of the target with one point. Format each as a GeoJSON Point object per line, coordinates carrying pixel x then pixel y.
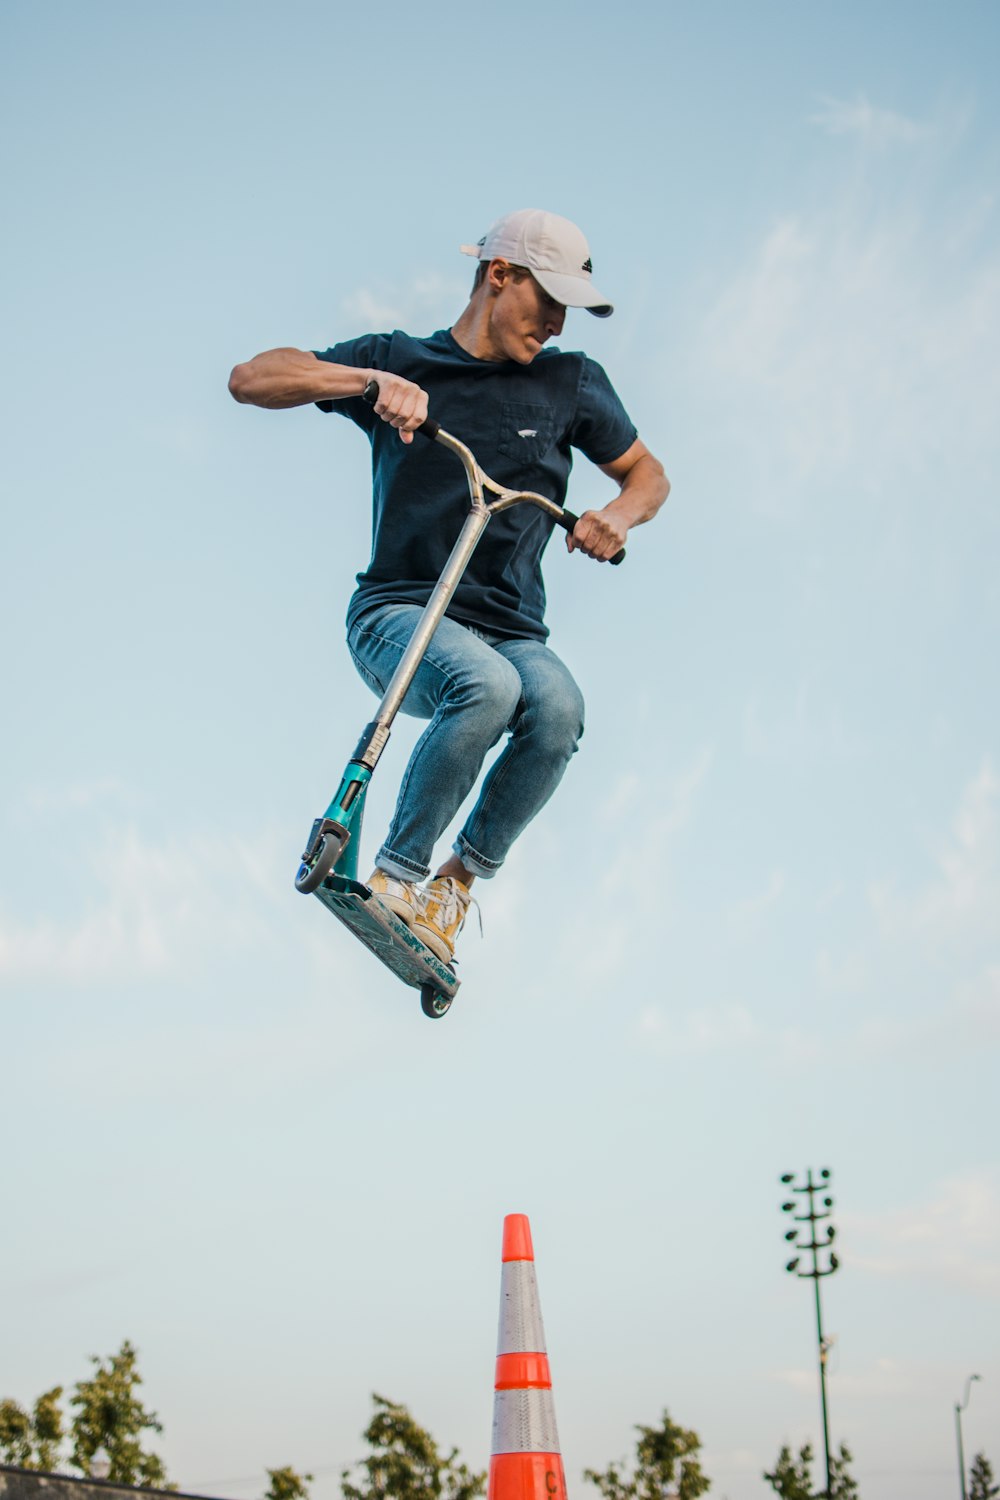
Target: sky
{"type": "Point", "coordinates": [755, 932]}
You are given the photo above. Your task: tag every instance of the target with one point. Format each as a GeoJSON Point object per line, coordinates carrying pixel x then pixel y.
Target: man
{"type": "Point", "coordinates": [488, 672]}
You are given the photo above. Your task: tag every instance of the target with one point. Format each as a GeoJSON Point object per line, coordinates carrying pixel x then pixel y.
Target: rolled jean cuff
{"type": "Point", "coordinates": [400, 869]}
{"type": "Point", "coordinates": [474, 862]}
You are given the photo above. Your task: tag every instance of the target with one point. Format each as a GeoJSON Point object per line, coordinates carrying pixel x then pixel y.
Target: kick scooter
{"type": "Point", "coordinates": [329, 867]}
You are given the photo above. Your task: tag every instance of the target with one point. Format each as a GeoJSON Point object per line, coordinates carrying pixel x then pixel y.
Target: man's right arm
{"type": "Point", "coordinates": [281, 378]}
{"type": "Point", "coordinates": [293, 377]}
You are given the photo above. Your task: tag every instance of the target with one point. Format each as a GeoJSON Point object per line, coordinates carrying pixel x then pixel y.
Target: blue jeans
{"type": "Point", "coordinates": [473, 687]}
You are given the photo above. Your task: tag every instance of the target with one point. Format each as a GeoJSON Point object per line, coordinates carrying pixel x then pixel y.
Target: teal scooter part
{"type": "Point", "coordinates": [333, 839]}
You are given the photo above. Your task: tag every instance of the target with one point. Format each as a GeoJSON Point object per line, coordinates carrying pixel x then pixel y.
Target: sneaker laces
{"type": "Point", "coordinates": [455, 904]}
{"type": "Point", "coordinates": [394, 885]}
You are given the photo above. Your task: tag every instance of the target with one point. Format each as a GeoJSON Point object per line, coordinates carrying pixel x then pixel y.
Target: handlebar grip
{"type": "Point", "coordinates": [428, 429]}
{"type": "Point", "coordinates": [568, 520]}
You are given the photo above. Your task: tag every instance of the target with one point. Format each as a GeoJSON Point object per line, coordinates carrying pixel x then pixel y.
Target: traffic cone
{"type": "Point", "coordinates": [525, 1463]}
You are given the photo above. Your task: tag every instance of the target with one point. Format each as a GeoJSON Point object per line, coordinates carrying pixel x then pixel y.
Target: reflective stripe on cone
{"type": "Point", "coordinates": [525, 1462]}
{"type": "Point", "coordinates": [524, 1422]}
{"type": "Point", "coordinates": [520, 1330]}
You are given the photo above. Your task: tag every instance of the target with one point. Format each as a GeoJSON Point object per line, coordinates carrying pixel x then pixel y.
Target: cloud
{"type": "Point", "coordinates": [677, 801]}
{"type": "Point", "coordinates": [953, 1236]}
{"type": "Point", "coordinates": [70, 1281]}
{"type": "Point", "coordinates": [649, 847]}
{"type": "Point", "coordinates": [876, 127]}
{"type": "Point", "coordinates": [723, 1462]}
{"type": "Point", "coordinates": [965, 1020]}
{"type": "Point", "coordinates": [885, 1377]}
{"type": "Point", "coordinates": [648, 812]}
{"type": "Point", "coordinates": [429, 301]}
{"type": "Point", "coordinates": [703, 1030]}
{"type": "Point", "coordinates": [746, 915]}
{"type": "Point", "coordinates": [841, 974]}
{"type": "Point", "coordinates": [80, 795]}
{"type": "Point", "coordinates": [264, 988]}
{"type": "Point", "coordinates": [935, 943]}
{"type": "Point", "coordinates": [962, 902]}
{"type": "Point", "coordinates": [935, 940]}
{"type": "Point", "coordinates": [152, 908]}
{"type": "Point", "coordinates": [858, 343]}
{"type": "Point", "coordinates": [805, 728]}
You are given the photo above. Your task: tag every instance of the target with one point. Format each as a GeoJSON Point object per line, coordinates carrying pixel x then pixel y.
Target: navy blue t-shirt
{"type": "Point", "coordinates": [521, 422]}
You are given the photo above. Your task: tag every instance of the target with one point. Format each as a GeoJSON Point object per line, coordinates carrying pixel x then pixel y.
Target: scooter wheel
{"type": "Point", "coordinates": [311, 876]}
{"type": "Point", "coordinates": [433, 1004]}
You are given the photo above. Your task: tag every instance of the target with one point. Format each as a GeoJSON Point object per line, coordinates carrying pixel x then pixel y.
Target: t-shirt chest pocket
{"type": "Point", "coordinates": [527, 430]}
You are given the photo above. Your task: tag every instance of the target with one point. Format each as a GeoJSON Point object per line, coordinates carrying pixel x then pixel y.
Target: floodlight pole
{"type": "Point", "coordinates": [958, 1429]}
{"type": "Point", "coordinates": [824, 1350]}
{"type": "Point", "coordinates": [812, 1217]}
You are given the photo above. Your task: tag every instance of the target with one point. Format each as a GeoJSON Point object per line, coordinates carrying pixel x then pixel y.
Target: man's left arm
{"type": "Point", "coordinates": [643, 487]}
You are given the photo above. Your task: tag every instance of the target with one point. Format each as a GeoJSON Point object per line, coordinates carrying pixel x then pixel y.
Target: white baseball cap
{"type": "Point", "coordinates": [554, 251]}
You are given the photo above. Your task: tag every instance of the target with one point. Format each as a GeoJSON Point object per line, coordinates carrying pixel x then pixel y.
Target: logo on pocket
{"type": "Point", "coordinates": [526, 431]}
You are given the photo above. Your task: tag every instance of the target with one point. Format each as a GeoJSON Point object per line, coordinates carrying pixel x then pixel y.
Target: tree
{"type": "Point", "coordinates": [842, 1485]}
{"type": "Point", "coordinates": [109, 1414]}
{"type": "Point", "coordinates": [790, 1478]}
{"type": "Point", "coordinates": [15, 1434]}
{"type": "Point", "coordinates": [32, 1441]}
{"type": "Point", "coordinates": [286, 1484]}
{"type": "Point", "coordinates": [405, 1463]}
{"type": "Point", "coordinates": [981, 1486]}
{"type": "Point", "coordinates": [664, 1455]}
{"type": "Point", "coordinates": [49, 1430]}
{"type": "Point", "coordinates": [792, 1481]}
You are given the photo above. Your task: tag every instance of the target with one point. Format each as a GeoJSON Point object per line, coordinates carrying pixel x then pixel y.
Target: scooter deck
{"type": "Point", "coordinates": [385, 935]}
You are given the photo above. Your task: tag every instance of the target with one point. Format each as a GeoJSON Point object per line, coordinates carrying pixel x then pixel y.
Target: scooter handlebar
{"type": "Point", "coordinates": [430, 429]}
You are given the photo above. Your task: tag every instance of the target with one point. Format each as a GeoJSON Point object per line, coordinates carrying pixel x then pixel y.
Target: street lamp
{"type": "Point", "coordinates": [815, 1247]}
{"type": "Point", "coordinates": [100, 1463]}
{"type": "Point", "coordinates": [958, 1428]}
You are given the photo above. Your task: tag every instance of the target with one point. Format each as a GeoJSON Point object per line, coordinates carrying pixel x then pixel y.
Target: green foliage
{"type": "Point", "coordinates": [49, 1431]}
{"type": "Point", "coordinates": [981, 1486]}
{"type": "Point", "coordinates": [664, 1455]}
{"type": "Point", "coordinates": [109, 1414]}
{"type": "Point", "coordinates": [405, 1463]}
{"type": "Point", "coordinates": [842, 1485]}
{"type": "Point", "coordinates": [286, 1484]}
{"type": "Point", "coordinates": [791, 1478]}
{"type": "Point", "coordinates": [32, 1442]}
{"type": "Point", "coordinates": [15, 1434]}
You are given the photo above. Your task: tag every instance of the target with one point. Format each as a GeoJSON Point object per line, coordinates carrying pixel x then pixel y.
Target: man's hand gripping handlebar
{"type": "Point", "coordinates": [479, 480]}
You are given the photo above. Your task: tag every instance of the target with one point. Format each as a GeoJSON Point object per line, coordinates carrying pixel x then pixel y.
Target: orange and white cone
{"type": "Point", "coordinates": [525, 1462]}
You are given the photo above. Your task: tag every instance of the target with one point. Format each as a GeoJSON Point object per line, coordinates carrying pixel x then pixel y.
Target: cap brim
{"type": "Point", "coordinates": [573, 291]}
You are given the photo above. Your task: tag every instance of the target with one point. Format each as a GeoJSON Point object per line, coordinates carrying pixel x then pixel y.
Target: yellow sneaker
{"type": "Point", "coordinates": [444, 908]}
{"type": "Point", "coordinates": [402, 897]}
